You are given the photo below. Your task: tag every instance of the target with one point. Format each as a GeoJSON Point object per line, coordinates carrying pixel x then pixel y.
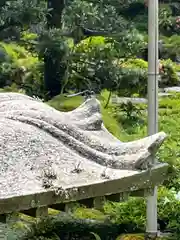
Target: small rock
{"type": "Point", "coordinates": [172, 89]}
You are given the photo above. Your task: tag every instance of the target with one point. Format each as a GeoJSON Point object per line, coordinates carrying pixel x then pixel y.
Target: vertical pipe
{"type": "Point", "coordinates": [153, 74]}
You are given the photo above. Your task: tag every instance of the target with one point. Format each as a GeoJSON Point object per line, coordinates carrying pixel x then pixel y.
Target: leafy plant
{"type": "Point", "coordinates": [130, 110]}
{"type": "Point", "coordinates": [169, 77]}
{"type": "Point", "coordinates": [165, 20]}
{"type": "Point", "coordinates": [171, 49]}
{"type": "Point", "coordinates": [134, 211]}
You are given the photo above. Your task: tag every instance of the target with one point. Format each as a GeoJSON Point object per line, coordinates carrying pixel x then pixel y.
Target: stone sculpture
{"type": "Point", "coordinates": [38, 142]}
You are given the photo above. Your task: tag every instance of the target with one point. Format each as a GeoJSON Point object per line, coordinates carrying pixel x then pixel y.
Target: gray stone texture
{"type": "Point", "coordinates": [41, 147]}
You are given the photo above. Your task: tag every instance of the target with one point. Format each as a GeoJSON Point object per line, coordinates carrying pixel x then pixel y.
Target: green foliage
{"type": "Point", "coordinates": [93, 63]}
{"type": "Point", "coordinates": [131, 211]}
{"type": "Point", "coordinates": [134, 211]}
{"type": "Point", "coordinates": [86, 213]}
{"type": "Point", "coordinates": [130, 110]}
{"type": "Point", "coordinates": [134, 9]}
{"type": "Point", "coordinates": [92, 67]}
{"type": "Point", "coordinates": [96, 236]}
{"type": "Point", "coordinates": [96, 61]}
{"type": "Point", "coordinates": [141, 22]}
{"type": "Point", "coordinates": [104, 15]}
{"type": "Point", "coordinates": [12, 12]}
{"type": "Point", "coordinates": [177, 67]}
{"type": "Point", "coordinates": [122, 217]}
{"type": "Point", "coordinates": [19, 55]}
{"type": "Point", "coordinates": [21, 69]}
{"type": "Point", "coordinates": [68, 227]}
{"type": "Point", "coordinates": [170, 77]}
{"type": "Point", "coordinates": [6, 70]}
{"type": "Point", "coordinates": [137, 63]}
{"type": "Point", "coordinates": [167, 23]}
{"type": "Point", "coordinates": [134, 78]}
{"type": "Point", "coordinates": [175, 8]}
{"type": "Point", "coordinates": [51, 41]}
{"type": "Point", "coordinates": [29, 41]}
{"type": "Point", "coordinates": [171, 47]}
{"type": "Point", "coordinates": [64, 104]}
{"type": "Point", "coordinates": [33, 81]}
{"type": "Point", "coordinates": [86, 13]}
{"type": "Point", "coordinates": [110, 122]}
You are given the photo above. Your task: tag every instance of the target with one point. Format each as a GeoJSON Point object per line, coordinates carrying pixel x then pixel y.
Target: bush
{"type": "Point", "coordinates": [6, 71]}
{"type": "Point", "coordinates": [136, 63]}
{"type": "Point", "coordinates": [133, 81]}
{"type": "Point", "coordinates": [166, 21]}
{"type": "Point", "coordinates": [29, 41]}
{"type": "Point", "coordinates": [168, 78]}
{"type": "Point", "coordinates": [168, 24]}
{"type": "Point", "coordinates": [134, 9]}
{"type": "Point", "coordinates": [67, 227]}
{"type": "Point", "coordinates": [119, 218]}
{"type": "Point", "coordinates": [22, 68]}
{"type": "Point", "coordinates": [175, 8]}
{"type": "Point", "coordinates": [33, 81]}
{"type": "Point", "coordinates": [171, 47]}
{"type": "Point", "coordinates": [93, 62]}
{"type": "Point", "coordinates": [134, 211]}
{"type": "Point", "coordinates": [177, 67]}
{"type": "Point", "coordinates": [141, 22]}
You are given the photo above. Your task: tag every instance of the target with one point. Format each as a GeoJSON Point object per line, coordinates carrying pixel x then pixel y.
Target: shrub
{"type": "Point", "coordinates": [168, 78]}
{"type": "Point", "coordinates": [67, 227]}
{"type": "Point", "coordinates": [133, 81]}
{"type": "Point", "coordinates": [137, 63]}
{"type": "Point", "coordinates": [171, 48]}
{"type": "Point", "coordinates": [134, 9]}
{"type": "Point", "coordinates": [119, 218]}
{"type": "Point", "coordinates": [22, 68]}
{"type": "Point", "coordinates": [141, 22]}
{"type": "Point", "coordinates": [6, 71]}
{"type": "Point", "coordinates": [29, 41]}
{"type": "Point", "coordinates": [93, 62]}
{"type": "Point", "coordinates": [168, 24]}
{"type": "Point", "coordinates": [175, 8]}
{"type": "Point", "coordinates": [134, 211]}
{"type": "Point", "coordinates": [165, 21]}
{"type": "Point", "coordinates": [33, 81]}
{"type": "Point", "coordinates": [177, 67]}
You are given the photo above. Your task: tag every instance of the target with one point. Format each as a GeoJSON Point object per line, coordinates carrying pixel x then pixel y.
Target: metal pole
{"type": "Point", "coordinates": [153, 75]}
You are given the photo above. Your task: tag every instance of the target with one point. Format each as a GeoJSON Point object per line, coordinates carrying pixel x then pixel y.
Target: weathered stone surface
{"type": "Point", "coordinates": [125, 100]}
{"type": "Point", "coordinates": [79, 190]}
{"type": "Point", "coordinates": [172, 89]}
{"type": "Point", "coordinates": [41, 147]}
